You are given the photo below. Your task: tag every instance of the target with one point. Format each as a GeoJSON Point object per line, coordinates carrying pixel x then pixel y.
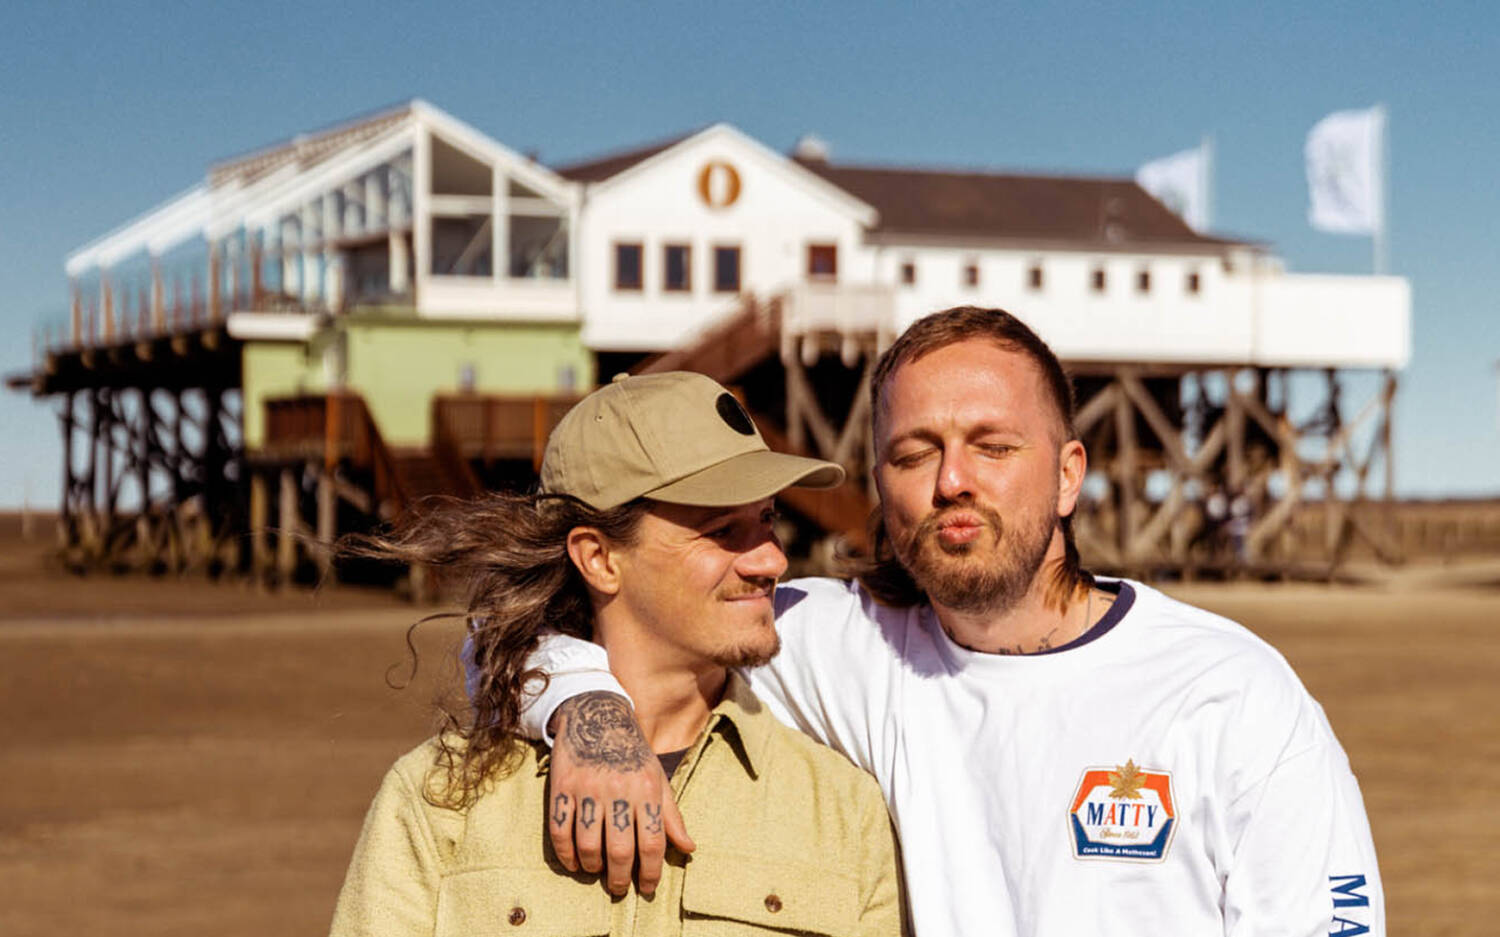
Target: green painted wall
{"type": "Point", "coordinates": [399, 363]}
{"type": "Point", "coordinates": [277, 369]}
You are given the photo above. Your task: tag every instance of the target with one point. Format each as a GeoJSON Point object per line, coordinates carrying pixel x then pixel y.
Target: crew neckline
{"type": "Point", "coordinates": [1075, 651]}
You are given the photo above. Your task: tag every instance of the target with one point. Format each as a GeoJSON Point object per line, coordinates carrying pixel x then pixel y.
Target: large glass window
{"type": "Point", "coordinates": [462, 246]}
{"type": "Point", "coordinates": [538, 247]}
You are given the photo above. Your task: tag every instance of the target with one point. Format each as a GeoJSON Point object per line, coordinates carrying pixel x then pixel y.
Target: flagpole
{"type": "Point", "coordinates": [1378, 236]}
{"type": "Point", "coordinates": [1206, 181]}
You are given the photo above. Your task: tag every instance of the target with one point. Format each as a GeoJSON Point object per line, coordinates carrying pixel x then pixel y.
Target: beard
{"type": "Point", "coordinates": [755, 653]}
{"type": "Point", "coordinates": [988, 574]}
{"type": "Point", "coordinates": [752, 650]}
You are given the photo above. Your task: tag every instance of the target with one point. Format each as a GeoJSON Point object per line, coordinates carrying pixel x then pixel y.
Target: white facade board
{"type": "Point", "coordinates": [780, 209]}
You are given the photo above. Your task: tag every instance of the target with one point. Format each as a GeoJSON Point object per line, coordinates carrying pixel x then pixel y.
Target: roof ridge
{"type": "Point", "coordinates": [228, 165]}
{"type": "Point", "coordinates": [987, 172]}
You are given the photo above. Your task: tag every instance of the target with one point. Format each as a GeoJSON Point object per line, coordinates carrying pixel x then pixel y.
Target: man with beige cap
{"type": "Point", "coordinates": [652, 536]}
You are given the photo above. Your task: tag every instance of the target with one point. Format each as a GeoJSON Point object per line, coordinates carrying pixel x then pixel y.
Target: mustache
{"type": "Point", "coordinates": [930, 524]}
{"type": "Point", "coordinates": [748, 588]}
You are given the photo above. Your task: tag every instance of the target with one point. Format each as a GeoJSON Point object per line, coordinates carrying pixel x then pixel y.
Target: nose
{"type": "Point", "coordinates": [955, 479]}
{"type": "Point", "coordinates": [763, 560]}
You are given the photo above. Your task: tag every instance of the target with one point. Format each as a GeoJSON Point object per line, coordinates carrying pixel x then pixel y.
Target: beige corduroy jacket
{"type": "Point", "coordinates": [791, 837]}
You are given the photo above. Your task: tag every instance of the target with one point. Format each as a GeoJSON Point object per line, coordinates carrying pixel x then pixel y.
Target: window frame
{"type": "Point", "coordinates": [687, 267]}
{"type": "Point", "coordinates": [739, 268]}
{"type": "Point", "coordinates": [640, 267]}
{"type": "Point", "coordinates": [816, 249]}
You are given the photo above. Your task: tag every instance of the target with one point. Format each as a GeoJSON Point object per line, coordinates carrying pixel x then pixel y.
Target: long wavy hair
{"type": "Point", "coordinates": [511, 549]}
{"type": "Point", "coordinates": [881, 573]}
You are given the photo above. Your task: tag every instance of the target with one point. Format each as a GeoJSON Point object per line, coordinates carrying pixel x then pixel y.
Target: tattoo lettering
{"type": "Point", "coordinates": [622, 815]}
{"type": "Point", "coordinates": [653, 818]}
{"type": "Point", "coordinates": [586, 812]}
{"type": "Point", "coordinates": [600, 730]}
{"type": "Point", "coordinates": [560, 810]}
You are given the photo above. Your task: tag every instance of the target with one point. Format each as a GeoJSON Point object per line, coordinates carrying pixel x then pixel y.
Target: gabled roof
{"type": "Point", "coordinates": [307, 149]}
{"type": "Point", "coordinates": [612, 164]}
{"type": "Point", "coordinates": [1003, 205]}
{"type": "Point", "coordinates": [615, 168]}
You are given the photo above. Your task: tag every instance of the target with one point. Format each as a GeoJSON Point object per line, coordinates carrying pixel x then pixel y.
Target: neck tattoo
{"type": "Point", "coordinates": [1045, 642]}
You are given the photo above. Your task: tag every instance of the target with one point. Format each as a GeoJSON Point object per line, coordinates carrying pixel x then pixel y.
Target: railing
{"type": "Point", "coordinates": [488, 427]}
{"type": "Point", "coordinates": [843, 308]}
{"type": "Point", "coordinates": [730, 347]}
{"type": "Point", "coordinates": [335, 427]}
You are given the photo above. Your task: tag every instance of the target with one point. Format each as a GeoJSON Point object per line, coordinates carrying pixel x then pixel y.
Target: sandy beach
{"type": "Point", "coordinates": [182, 757]}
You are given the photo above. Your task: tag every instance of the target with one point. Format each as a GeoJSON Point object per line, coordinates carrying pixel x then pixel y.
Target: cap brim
{"type": "Point", "coordinates": [749, 477]}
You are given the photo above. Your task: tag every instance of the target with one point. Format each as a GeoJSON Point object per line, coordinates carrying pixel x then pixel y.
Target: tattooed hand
{"type": "Point", "coordinates": [609, 801]}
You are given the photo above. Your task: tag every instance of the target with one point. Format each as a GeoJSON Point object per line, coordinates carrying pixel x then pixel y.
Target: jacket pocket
{"type": "Point", "coordinates": [520, 902]}
{"type": "Point", "coordinates": [727, 895]}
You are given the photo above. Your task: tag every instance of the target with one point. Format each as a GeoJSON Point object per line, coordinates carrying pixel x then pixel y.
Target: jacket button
{"type": "Point", "coordinates": [773, 903]}
{"type": "Point", "coordinates": [517, 916]}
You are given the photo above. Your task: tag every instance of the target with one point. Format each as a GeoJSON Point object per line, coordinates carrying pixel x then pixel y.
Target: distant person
{"type": "Point", "coordinates": [1063, 755]}
{"type": "Point", "coordinates": [652, 537]}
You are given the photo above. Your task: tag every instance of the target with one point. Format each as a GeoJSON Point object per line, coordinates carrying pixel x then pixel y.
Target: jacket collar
{"type": "Point", "coordinates": [743, 720]}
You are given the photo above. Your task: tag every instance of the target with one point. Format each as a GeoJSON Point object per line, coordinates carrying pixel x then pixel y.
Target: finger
{"type": "Point", "coordinates": [619, 846]}
{"type": "Point", "coordinates": [560, 818]}
{"type": "Point", "coordinates": [588, 834]}
{"type": "Point", "coordinates": [672, 823]}
{"type": "Point", "coordinates": [651, 846]}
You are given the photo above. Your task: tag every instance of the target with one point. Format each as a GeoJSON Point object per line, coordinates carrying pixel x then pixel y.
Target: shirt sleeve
{"type": "Point", "coordinates": [1304, 862]}
{"type": "Point", "coordinates": [391, 887]}
{"type": "Point", "coordinates": [573, 666]}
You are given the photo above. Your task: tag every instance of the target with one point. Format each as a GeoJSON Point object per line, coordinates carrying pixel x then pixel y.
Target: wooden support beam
{"type": "Point", "coordinates": [287, 522]}
{"type": "Point", "coordinates": [327, 521]}
{"type": "Point", "coordinates": [1125, 474]}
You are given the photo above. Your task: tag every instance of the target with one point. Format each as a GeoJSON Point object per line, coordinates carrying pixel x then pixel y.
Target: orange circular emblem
{"type": "Point", "coordinates": [718, 184]}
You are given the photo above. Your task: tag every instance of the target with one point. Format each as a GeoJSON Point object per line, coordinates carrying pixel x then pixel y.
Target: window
{"type": "Point", "coordinates": [1034, 277]}
{"type": "Point", "coordinates": [726, 269]}
{"type": "Point", "coordinates": [822, 261]}
{"type": "Point", "coordinates": [678, 268]}
{"type": "Point", "coordinates": [627, 266]}
{"type": "Point", "coordinates": [462, 246]}
{"type": "Point", "coordinates": [538, 247]}
{"type": "Point", "coordinates": [1194, 283]}
{"type": "Point", "coordinates": [971, 274]}
{"type": "Point", "coordinates": [909, 273]}
{"type": "Point", "coordinates": [1143, 281]}
{"type": "Point", "coordinates": [1099, 280]}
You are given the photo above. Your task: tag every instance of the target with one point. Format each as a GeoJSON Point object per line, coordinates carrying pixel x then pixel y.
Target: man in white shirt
{"type": "Point", "coordinates": [1060, 756]}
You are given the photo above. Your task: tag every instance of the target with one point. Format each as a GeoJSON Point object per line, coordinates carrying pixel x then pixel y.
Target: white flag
{"type": "Point", "coordinates": [1344, 174]}
{"type": "Point", "coordinates": [1180, 182]}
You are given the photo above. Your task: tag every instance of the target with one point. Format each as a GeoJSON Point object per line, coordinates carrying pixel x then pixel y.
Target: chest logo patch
{"type": "Point", "coordinates": [1123, 812]}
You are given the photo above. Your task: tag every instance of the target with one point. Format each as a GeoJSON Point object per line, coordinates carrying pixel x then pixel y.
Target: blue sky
{"type": "Point", "coordinates": [108, 109]}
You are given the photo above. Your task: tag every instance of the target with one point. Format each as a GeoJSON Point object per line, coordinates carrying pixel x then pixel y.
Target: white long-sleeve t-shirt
{"type": "Point", "coordinates": [1166, 774]}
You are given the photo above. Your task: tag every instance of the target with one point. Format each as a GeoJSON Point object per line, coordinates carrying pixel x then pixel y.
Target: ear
{"type": "Point", "coordinates": [595, 560]}
{"type": "Point", "coordinates": [1072, 466]}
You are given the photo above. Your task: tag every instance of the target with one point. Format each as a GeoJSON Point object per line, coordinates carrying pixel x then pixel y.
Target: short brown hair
{"type": "Point", "coordinates": [883, 575]}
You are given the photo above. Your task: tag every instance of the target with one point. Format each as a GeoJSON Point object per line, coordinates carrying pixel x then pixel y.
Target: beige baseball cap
{"type": "Point", "coordinates": [677, 437]}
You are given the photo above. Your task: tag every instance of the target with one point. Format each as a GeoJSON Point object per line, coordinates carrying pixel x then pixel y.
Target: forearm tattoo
{"type": "Point", "coordinates": [600, 730]}
{"type": "Point", "coordinates": [622, 815]}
